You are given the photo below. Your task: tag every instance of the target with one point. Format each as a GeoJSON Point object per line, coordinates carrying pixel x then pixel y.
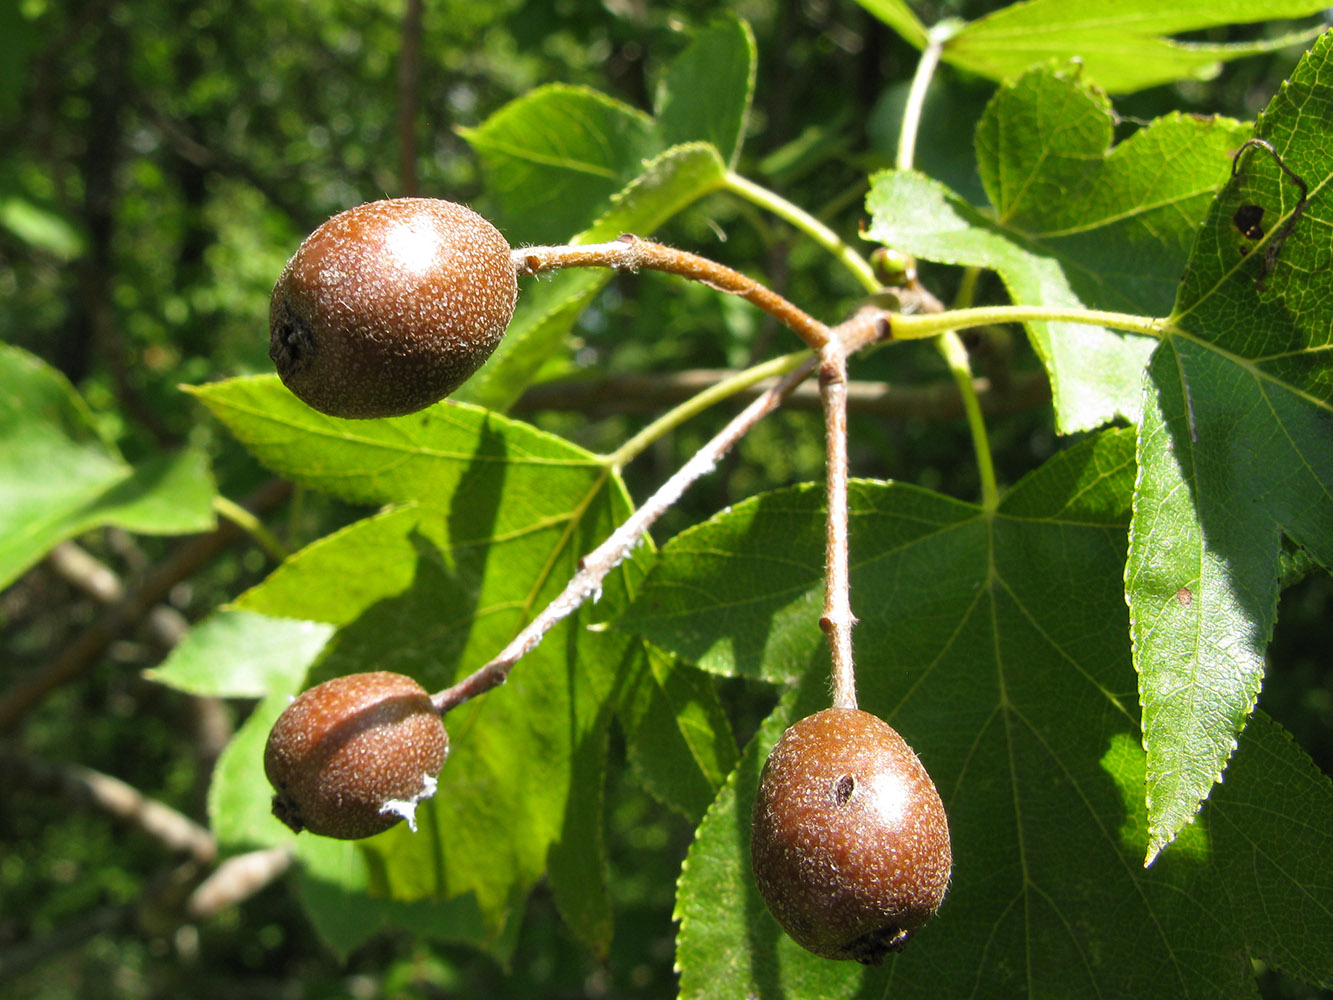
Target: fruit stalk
{"type": "Point", "coordinates": [630, 253]}
{"type": "Point", "coordinates": [837, 619]}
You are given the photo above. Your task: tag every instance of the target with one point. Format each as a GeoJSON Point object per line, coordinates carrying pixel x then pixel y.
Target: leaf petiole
{"type": "Point", "coordinates": [925, 325]}
{"type": "Point", "coordinates": [806, 223]}
{"type": "Point", "coordinates": [955, 356]}
{"type": "Point", "coordinates": [916, 96]}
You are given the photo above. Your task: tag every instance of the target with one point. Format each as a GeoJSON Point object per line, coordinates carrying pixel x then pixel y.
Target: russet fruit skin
{"type": "Point", "coordinates": [351, 757]}
{"type": "Point", "coordinates": [850, 842]}
{"type": "Point", "coordinates": [390, 306]}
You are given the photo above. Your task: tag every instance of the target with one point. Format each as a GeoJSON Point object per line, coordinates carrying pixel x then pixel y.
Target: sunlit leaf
{"type": "Point", "coordinates": [705, 94]}
{"type": "Point", "coordinates": [898, 16]}
{"type": "Point", "coordinates": [1236, 448]}
{"type": "Point", "coordinates": [1077, 221]}
{"type": "Point", "coordinates": [239, 654]}
{"type": "Point", "coordinates": [58, 478]}
{"type": "Point", "coordinates": [549, 307]}
{"type": "Point", "coordinates": [498, 515]}
{"type": "Point", "coordinates": [1125, 44]}
{"type": "Point", "coordinates": [554, 157]}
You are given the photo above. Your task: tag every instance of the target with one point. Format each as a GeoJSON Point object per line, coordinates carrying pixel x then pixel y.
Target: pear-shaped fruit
{"type": "Point", "coordinates": [353, 756]}
{"type": "Point", "coordinates": [849, 843]}
{"type": "Point", "coordinates": [390, 306]}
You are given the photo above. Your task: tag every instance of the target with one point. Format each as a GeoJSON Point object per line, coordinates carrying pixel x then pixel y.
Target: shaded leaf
{"type": "Point", "coordinates": [677, 734]}
{"type": "Point", "coordinates": [711, 599]}
{"type": "Point", "coordinates": [333, 883]}
{"type": "Point", "coordinates": [997, 645]}
{"type": "Point", "coordinates": [705, 94]}
{"type": "Point", "coordinates": [1271, 787]}
{"type": "Point", "coordinates": [1236, 449]}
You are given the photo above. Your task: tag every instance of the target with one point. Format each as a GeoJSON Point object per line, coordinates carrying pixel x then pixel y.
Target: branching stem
{"type": "Point", "coordinates": [832, 347]}
{"type": "Point", "coordinates": [701, 401]}
{"type": "Point", "coordinates": [806, 223]}
{"type": "Point", "coordinates": [594, 567]}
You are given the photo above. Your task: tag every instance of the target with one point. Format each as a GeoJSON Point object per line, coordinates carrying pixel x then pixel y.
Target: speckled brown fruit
{"type": "Point", "coordinates": [351, 757]}
{"type": "Point", "coordinates": [390, 306]}
{"type": "Point", "coordinates": [850, 843]}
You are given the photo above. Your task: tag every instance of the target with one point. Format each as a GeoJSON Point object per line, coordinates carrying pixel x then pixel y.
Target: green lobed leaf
{"type": "Point", "coordinates": [1076, 222]}
{"type": "Point", "coordinates": [1096, 374]}
{"type": "Point", "coordinates": [706, 92]}
{"type": "Point", "coordinates": [1121, 218]}
{"type": "Point", "coordinates": [58, 478]}
{"type": "Point", "coordinates": [497, 516]}
{"type": "Point", "coordinates": [1235, 449]}
{"type": "Point", "coordinates": [997, 645]}
{"type": "Point", "coordinates": [1122, 44]}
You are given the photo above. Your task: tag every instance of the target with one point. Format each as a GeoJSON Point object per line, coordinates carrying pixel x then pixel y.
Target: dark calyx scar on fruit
{"type": "Point", "coordinates": [390, 306]}
{"type": "Point", "coordinates": [353, 756]}
{"type": "Point", "coordinates": [849, 842]}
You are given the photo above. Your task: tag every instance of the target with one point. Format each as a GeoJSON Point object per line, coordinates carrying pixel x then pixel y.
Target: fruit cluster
{"type": "Point", "coordinates": [386, 309]}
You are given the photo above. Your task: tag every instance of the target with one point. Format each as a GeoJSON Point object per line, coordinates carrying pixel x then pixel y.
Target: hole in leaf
{"type": "Point", "coordinates": [1248, 219]}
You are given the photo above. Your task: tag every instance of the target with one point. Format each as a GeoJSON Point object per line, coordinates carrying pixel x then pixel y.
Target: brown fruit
{"type": "Point", "coordinates": [850, 843]}
{"type": "Point", "coordinates": [390, 306]}
{"type": "Point", "coordinates": [353, 756]}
